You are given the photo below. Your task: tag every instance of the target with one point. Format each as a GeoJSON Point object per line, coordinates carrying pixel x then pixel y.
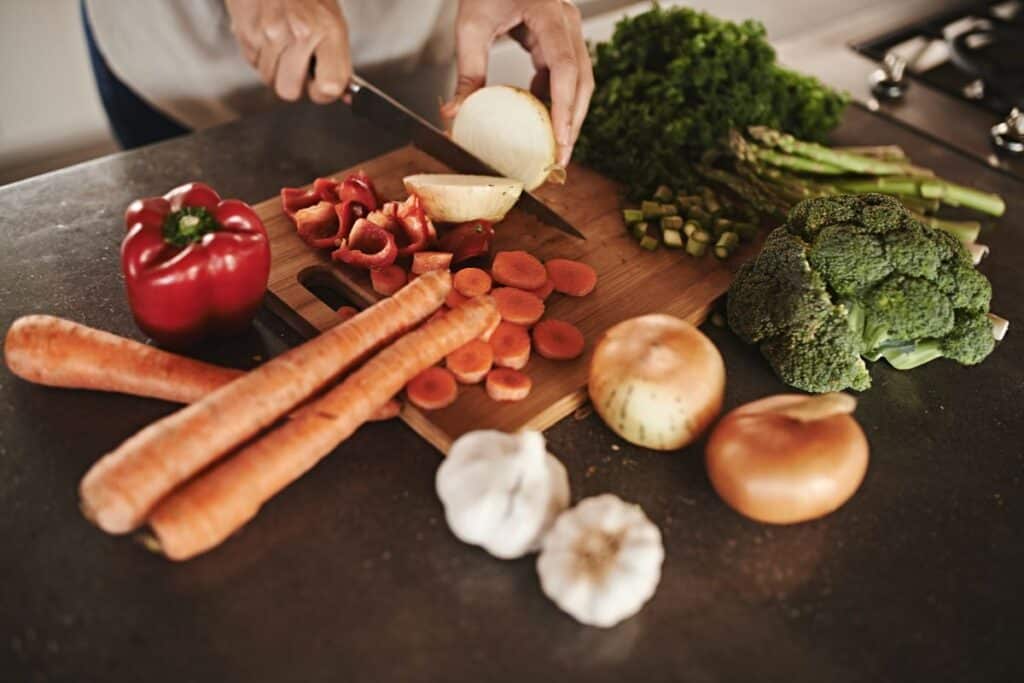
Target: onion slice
{"type": "Point", "coordinates": [452, 198]}
{"type": "Point", "coordinates": [511, 130]}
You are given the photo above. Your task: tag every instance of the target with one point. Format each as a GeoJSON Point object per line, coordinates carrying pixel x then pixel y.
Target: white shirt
{"type": "Point", "coordinates": [181, 57]}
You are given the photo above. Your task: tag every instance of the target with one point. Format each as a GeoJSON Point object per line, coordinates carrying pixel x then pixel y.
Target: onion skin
{"type": "Point", "coordinates": [779, 470]}
{"type": "Point", "coordinates": [657, 381]}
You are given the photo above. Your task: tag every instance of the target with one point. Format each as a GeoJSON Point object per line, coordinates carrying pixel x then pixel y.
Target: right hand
{"type": "Point", "coordinates": [280, 38]}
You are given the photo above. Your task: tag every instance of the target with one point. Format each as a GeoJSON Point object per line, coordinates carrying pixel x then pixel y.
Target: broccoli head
{"type": "Point", "coordinates": [856, 276]}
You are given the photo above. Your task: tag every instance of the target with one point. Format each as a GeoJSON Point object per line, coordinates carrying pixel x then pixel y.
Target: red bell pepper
{"type": "Point", "coordinates": [413, 229]}
{"type": "Point", "coordinates": [350, 199]}
{"type": "Point", "coordinates": [467, 240]}
{"type": "Point", "coordinates": [367, 246]}
{"type": "Point", "coordinates": [193, 264]}
{"type": "Point", "coordinates": [317, 225]}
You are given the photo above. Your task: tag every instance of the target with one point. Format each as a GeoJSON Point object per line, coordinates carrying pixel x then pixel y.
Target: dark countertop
{"type": "Point", "coordinates": [351, 573]}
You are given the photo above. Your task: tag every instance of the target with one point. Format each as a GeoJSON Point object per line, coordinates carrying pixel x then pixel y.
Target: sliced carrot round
{"type": "Point", "coordinates": [454, 299]}
{"type": "Point", "coordinates": [470, 363]}
{"type": "Point", "coordinates": [504, 384]}
{"type": "Point", "coordinates": [472, 282]}
{"type": "Point", "coordinates": [557, 340]}
{"type": "Point", "coordinates": [544, 292]}
{"type": "Point", "coordinates": [518, 306]}
{"type": "Point", "coordinates": [437, 314]}
{"type": "Point", "coordinates": [346, 312]}
{"type": "Point", "coordinates": [388, 280]}
{"type": "Point", "coordinates": [426, 261]}
{"type": "Point", "coordinates": [432, 389]}
{"type": "Point", "coordinates": [571, 277]}
{"type": "Point", "coordinates": [518, 269]}
{"type": "Point", "coordinates": [511, 345]}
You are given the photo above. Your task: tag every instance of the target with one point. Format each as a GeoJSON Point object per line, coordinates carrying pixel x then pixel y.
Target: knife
{"type": "Point", "coordinates": [374, 105]}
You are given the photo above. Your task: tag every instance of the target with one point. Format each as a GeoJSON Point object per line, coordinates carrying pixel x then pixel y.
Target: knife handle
{"type": "Point", "coordinates": [355, 83]}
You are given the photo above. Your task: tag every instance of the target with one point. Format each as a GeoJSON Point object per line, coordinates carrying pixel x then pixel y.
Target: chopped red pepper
{"type": "Point", "coordinates": [193, 264]}
{"type": "Point", "coordinates": [467, 240]}
{"type": "Point", "coordinates": [317, 225]}
{"type": "Point", "coordinates": [294, 199]}
{"type": "Point", "coordinates": [367, 246]}
{"type": "Point", "coordinates": [413, 230]}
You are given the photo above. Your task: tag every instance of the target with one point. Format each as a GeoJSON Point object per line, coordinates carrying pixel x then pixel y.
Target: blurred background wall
{"type": "Point", "coordinates": [50, 115]}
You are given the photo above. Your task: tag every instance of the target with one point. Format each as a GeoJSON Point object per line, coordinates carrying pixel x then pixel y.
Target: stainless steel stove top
{"type": "Point", "coordinates": [951, 70]}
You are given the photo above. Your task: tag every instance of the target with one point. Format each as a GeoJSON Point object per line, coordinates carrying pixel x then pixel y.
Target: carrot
{"type": "Point", "coordinates": [388, 280]}
{"type": "Point", "coordinates": [455, 299]}
{"type": "Point", "coordinates": [119, 491]}
{"type": "Point", "coordinates": [557, 340]}
{"type": "Point", "coordinates": [346, 312]}
{"type": "Point", "coordinates": [518, 269]}
{"type": "Point", "coordinates": [215, 504]}
{"type": "Point", "coordinates": [432, 389]}
{"type": "Point", "coordinates": [518, 306]}
{"type": "Point", "coordinates": [544, 291]}
{"type": "Point", "coordinates": [471, 363]}
{"type": "Point", "coordinates": [472, 282]}
{"type": "Point", "coordinates": [426, 261]}
{"type": "Point", "coordinates": [389, 410]}
{"type": "Point", "coordinates": [511, 345]}
{"type": "Point", "coordinates": [486, 336]}
{"type": "Point", "coordinates": [504, 384]}
{"type": "Point", "coordinates": [571, 277]}
{"type": "Point", "coordinates": [437, 314]}
{"type": "Point", "coordinates": [61, 353]}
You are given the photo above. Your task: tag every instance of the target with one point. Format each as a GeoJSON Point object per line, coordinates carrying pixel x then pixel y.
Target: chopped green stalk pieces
{"type": "Point", "coordinates": [701, 216]}
{"type": "Point", "coordinates": [672, 238]}
{"type": "Point", "coordinates": [711, 203]}
{"type": "Point", "coordinates": [648, 242]}
{"type": "Point", "coordinates": [669, 210]}
{"type": "Point", "coordinates": [687, 202]}
{"type": "Point", "coordinates": [728, 240]}
{"type": "Point", "coordinates": [695, 247]}
{"type": "Point", "coordinates": [691, 227]}
{"type": "Point", "coordinates": [672, 223]}
{"type": "Point", "coordinates": [632, 216]}
{"type": "Point", "coordinates": [639, 230]}
{"type": "Point", "coordinates": [663, 193]}
{"type": "Point", "coordinates": [721, 225]}
{"type": "Point", "coordinates": [722, 253]}
{"type": "Point", "coordinates": [702, 236]}
{"type": "Point", "coordinates": [650, 209]}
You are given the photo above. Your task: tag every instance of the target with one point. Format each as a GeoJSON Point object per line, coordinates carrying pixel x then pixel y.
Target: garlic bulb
{"type": "Point", "coordinates": [601, 561]}
{"type": "Point", "coordinates": [502, 491]}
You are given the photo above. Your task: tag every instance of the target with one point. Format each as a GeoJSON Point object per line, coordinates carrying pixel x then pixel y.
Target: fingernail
{"type": "Point", "coordinates": [332, 89]}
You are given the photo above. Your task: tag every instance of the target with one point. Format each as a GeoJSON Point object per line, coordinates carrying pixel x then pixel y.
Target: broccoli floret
{"type": "Point", "coordinates": [856, 276]}
{"type": "Point", "coordinates": [849, 259]}
{"type": "Point", "coordinates": [905, 309]}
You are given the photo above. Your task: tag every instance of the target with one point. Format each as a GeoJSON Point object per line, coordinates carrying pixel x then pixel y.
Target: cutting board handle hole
{"type": "Point", "coordinates": [319, 281]}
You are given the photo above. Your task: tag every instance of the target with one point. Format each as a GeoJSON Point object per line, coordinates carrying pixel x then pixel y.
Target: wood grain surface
{"type": "Point", "coordinates": [631, 282]}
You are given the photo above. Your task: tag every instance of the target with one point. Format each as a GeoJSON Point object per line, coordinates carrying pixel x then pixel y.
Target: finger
{"type": "Point", "coordinates": [293, 70]}
{"type": "Point", "coordinates": [333, 66]}
{"type": "Point", "coordinates": [585, 81]}
{"type": "Point", "coordinates": [275, 38]}
{"type": "Point", "coordinates": [540, 84]}
{"type": "Point", "coordinates": [548, 24]}
{"type": "Point", "coordinates": [473, 39]}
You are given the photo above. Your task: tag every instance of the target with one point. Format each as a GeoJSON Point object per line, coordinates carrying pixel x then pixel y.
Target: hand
{"type": "Point", "coordinates": [280, 37]}
{"type": "Point", "coordinates": [551, 31]}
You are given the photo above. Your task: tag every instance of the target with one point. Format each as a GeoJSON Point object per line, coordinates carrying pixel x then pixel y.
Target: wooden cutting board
{"type": "Point", "coordinates": [631, 282]}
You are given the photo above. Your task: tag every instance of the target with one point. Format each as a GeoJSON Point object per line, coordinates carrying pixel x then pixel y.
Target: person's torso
{"type": "Point", "coordinates": [182, 58]}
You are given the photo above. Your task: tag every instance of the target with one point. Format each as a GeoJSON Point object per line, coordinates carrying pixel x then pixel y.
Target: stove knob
{"type": "Point", "coordinates": [889, 82]}
{"type": "Point", "coordinates": [1008, 136]}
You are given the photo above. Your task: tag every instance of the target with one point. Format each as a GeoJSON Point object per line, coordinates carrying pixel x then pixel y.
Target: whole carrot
{"type": "Point", "coordinates": [207, 510]}
{"type": "Point", "coordinates": [61, 353]}
{"type": "Point", "coordinates": [119, 491]}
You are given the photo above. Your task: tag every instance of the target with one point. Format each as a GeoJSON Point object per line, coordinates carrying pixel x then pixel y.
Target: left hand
{"type": "Point", "coordinates": [551, 31]}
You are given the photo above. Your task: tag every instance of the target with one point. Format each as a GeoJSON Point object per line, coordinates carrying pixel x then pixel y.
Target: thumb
{"type": "Point", "coordinates": [473, 45]}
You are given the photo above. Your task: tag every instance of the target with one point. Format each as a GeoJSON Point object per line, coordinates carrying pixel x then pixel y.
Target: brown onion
{"type": "Point", "coordinates": [788, 458]}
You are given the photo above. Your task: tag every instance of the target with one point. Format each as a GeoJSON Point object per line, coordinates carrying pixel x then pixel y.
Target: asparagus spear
{"type": "Point", "coordinates": [883, 152]}
{"type": "Point", "coordinates": [797, 163]}
{"type": "Point", "coordinates": [965, 231]}
{"type": "Point", "coordinates": [851, 162]}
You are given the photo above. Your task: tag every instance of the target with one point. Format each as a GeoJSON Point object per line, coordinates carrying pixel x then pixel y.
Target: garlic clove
{"type": "Point", "coordinates": [502, 491]}
{"type": "Point", "coordinates": [601, 561]}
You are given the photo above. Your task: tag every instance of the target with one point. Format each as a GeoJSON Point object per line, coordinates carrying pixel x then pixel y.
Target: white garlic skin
{"type": "Point", "coordinates": [601, 561]}
{"type": "Point", "coordinates": [502, 491]}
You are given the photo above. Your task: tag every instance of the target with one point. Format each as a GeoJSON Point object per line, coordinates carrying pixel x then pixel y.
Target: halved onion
{"type": "Point", "coordinates": [511, 130]}
{"type": "Point", "coordinates": [451, 198]}
{"type": "Point", "coordinates": [657, 381]}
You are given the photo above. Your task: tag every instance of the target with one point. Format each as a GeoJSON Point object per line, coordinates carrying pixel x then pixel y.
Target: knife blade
{"type": "Point", "coordinates": [371, 103]}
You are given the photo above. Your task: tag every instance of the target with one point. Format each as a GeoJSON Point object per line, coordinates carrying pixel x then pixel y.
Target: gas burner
{"type": "Point", "coordinates": [888, 82]}
{"type": "Point", "coordinates": [1008, 136]}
